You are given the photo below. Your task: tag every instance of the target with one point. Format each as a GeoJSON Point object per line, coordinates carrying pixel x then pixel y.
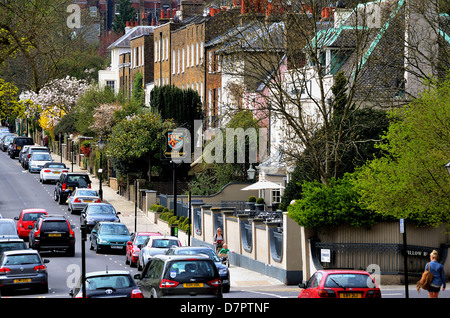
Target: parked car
{"type": "Point", "coordinates": [37, 161]}
{"type": "Point", "coordinates": [8, 228]}
{"type": "Point", "coordinates": [340, 283]}
{"type": "Point", "coordinates": [7, 140]}
{"type": "Point", "coordinates": [107, 284]}
{"type": "Point", "coordinates": [18, 143]}
{"type": "Point", "coordinates": [23, 269]}
{"type": "Point", "coordinates": [67, 182]}
{"type": "Point", "coordinates": [180, 276]}
{"type": "Point", "coordinates": [29, 152]}
{"type": "Point", "coordinates": [195, 250]}
{"type": "Point", "coordinates": [81, 197]}
{"type": "Point", "coordinates": [51, 171]}
{"type": "Point", "coordinates": [155, 245]}
{"type": "Point", "coordinates": [12, 244]}
{"type": "Point", "coordinates": [26, 220]}
{"type": "Point", "coordinates": [98, 212]}
{"type": "Point", "coordinates": [109, 235]}
{"type": "Point", "coordinates": [134, 246]}
{"type": "Point", "coordinates": [52, 233]}
{"type": "Point", "coordinates": [22, 154]}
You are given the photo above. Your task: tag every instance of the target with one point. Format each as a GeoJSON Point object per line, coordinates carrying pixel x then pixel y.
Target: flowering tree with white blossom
{"type": "Point", "coordinates": [56, 99]}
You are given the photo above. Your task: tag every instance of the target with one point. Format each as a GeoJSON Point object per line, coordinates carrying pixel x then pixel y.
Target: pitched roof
{"type": "Point", "coordinates": [124, 40]}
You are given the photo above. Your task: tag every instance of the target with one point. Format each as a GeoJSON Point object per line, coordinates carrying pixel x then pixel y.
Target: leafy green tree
{"type": "Point", "coordinates": [9, 104]}
{"type": "Point", "coordinates": [126, 13]}
{"type": "Point", "coordinates": [410, 181]}
{"type": "Point", "coordinates": [135, 144]}
{"type": "Point", "coordinates": [323, 206]}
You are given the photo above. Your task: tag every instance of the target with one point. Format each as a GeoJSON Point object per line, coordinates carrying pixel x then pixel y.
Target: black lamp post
{"type": "Point", "coordinates": [101, 146]}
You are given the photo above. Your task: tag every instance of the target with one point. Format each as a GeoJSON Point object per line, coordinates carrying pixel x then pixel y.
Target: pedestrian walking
{"type": "Point", "coordinates": [438, 276]}
{"type": "Point", "coordinates": [218, 239]}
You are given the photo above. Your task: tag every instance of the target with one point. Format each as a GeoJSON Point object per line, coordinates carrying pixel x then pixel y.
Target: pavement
{"type": "Point", "coordinates": [240, 277]}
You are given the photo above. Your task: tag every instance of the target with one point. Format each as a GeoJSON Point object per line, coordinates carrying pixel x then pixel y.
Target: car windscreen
{"type": "Point", "coordinates": [24, 141]}
{"type": "Point", "coordinates": [41, 157]}
{"type": "Point", "coordinates": [10, 246]}
{"type": "Point", "coordinates": [82, 180]}
{"type": "Point", "coordinates": [21, 259]}
{"type": "Point", "coordinates": [90, 193]}
{"type": "Point", "coordinates": [60, 226]}
{"type": "Point", "coordinates": [164, 243]}
{"type": "Point", "coordinates": [208, 252]}
{"type": "Point", "coordinates": [184, 270]}
{"type": "Point", "coordinates": [32, 216]}
{"type": "Point", "coordinates": [7, 228]}
{"type": "Point", "coordinates": [348, 281]}
{"type": "Point", "coordinates": [114, 229]}
{"type": "Point", "coordinates": [108, 281]}
{"type": "Point", "coordinates": [55, 165]}
{"type": "Point", "coordinates": [100, 209]}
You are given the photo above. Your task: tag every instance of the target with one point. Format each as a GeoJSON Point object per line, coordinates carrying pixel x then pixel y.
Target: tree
{"type": "Point", "coordinates": [135, 144]}
{"type": "Point", "coordinates": [37, 45]}
{"type": "Point", "coordinates": [324, 206]}
{"type": "Point", "coordinates": [9, 104]}
{"type": "Point", "coordinates": [410, 181]}
{"type": "Point", "coordinates": [126, 13]}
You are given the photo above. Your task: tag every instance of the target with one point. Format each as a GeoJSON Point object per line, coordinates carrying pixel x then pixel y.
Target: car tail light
{"type": "Point", "coordinates": [89, 185]}
{"type": "Point", "coordinates": [64, 186]}
{"type": "Point", "coordinates": [215, 283]}
{"type": "Point", "coordinates": [77, 200]}
{"type": "Point", "coordinates": [167, 283]}
{"type": "Point", "coordinates": [375, 293]}
{"type": "Point", "coordinates": [5, 270]}
{"type": "Point", "coordinates": [39, 268]}
{"type": "Point", "coordinates": [47, 170]}
{"type": "Point", "coordinates": [136, 293]}
{"type": "Point", "coordinates": [65, 171]}
{"type": "Point", "coordinates": [326, 293]}
{"type": "Point", "coordinates": [98, 201]}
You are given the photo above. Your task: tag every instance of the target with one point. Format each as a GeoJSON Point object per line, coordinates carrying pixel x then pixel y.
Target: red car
{"type": "Point", "coordinates": [338, 283]}
{"type": "Point", "coordinates": [26, 220]}
{"type": "Point", "coordinates": [133, 246]}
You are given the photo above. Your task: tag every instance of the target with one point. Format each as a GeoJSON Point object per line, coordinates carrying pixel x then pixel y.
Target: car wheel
{"type": "Point", "coordinates": [127, 261]}
{"type": "Point", "coordinates": [139, 267]}
{"type": "Point", "coordinates": [154, 294]}
{"type": "Point", "coordinates": [55, 196]}
{"type": "Point", "coordinates": [71, 252]}
{"type": "Point", "coordinates": [60, 199]}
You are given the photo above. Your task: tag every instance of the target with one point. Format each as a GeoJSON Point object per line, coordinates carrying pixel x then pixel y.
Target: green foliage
{"type": "Point", "coordinates": [323, 206]}
{"type": "Point", "coordinates": [410, 181]}
{"type": "Point", "coordinates": [157, 208]}
{"type": "Point", "coordinates": [251, 198]}
{"type": "Point", "coordinates": [138, 90]}
{"type": "Point", "coordinates": [136, 141]}
{"type": "Point", "coordinates": [9, 105]}
{"type": "Point", "coordinates": [126, 13]}
{"type": "Point", "coordinates": [260, 201]}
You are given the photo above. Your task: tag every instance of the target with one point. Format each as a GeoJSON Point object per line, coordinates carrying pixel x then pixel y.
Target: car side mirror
{"type": "Point", "coordinates": [137, 276]}
{"type": "Point", "coordinates": [46, 261]}
{"type": "Point", "coordinates": [302, 285]}
{"type": "Point", "coordinates": [16, 218]}
{"type": "Point", "coordinates": [118, 213]}
{"type": "Point", "coordinates": [30, 227]}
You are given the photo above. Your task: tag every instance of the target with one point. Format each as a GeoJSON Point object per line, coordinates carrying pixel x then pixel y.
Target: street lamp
{"type": "Point", "coordinates": [448, 167]}
{"type": "Point", "coordinates": [101, 146]}
{"type": "Point", "coordinates": [251, 173]}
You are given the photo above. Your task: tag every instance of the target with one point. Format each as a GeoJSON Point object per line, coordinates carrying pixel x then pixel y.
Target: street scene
{"type": "Point", "coordinates": [242, 150]}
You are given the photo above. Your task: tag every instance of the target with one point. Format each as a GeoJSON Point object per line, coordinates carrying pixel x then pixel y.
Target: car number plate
{"type": "Point", "coordinates": [350, 295]}
{"type": "Point", "coordinates": [192, 285]}
{"type": "Point", "coordinates": [56, 172]}
{"type": "Point", "coordinates": [19, 148]}
{"type": "Point", "coordinates": [22, 280]}
{"type": "Point", "coordinates": [87, 200]}
{"type": "Point", "coordinates": [116, 246]}
{"type": "Point", "coordinates": [54, 234]}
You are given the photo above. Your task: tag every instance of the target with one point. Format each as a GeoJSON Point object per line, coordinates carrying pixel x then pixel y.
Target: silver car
{"type": "Point", "coordinates": [155, 245]}
{"type": "Point", "coordinates": [23, 269]}
{"type": "Point", "coordinates": [38, 160]}
{"type": "Point", "coordinates": [51, 171]}
{"type": "Point", "coordinates": [81, 197]}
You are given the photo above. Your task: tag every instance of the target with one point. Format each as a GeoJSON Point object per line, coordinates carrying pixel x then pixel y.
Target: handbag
{"type": "Point", "coordinates": [425, 280]}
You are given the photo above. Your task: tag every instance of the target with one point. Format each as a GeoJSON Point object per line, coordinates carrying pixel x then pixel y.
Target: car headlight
{"type": "Point", "coordinates": [223, 271]}
{"type": "Point", "coordinates": [102, 241]}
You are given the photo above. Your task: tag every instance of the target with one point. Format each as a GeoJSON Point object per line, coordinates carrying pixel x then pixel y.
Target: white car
{"type": "Point", "coordinates": [80, 198]}
{"type": "Point", "coordinates": [155, 245]}
{"type": "Point", "coordinates": [38, 160]}
{"type": "Point", "coordinates": [51, 171]}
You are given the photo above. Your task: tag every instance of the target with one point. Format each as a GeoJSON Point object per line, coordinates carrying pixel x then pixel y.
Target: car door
{"type": "Point", "coordinates": [94, 235]}
{"type": "Point", "coordinates": [150, 277]}
{"type": "Point", "coordinates": [310, 289]}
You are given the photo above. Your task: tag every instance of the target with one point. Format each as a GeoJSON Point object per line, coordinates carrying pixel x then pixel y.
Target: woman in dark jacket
{"type": "Point", "coordinates": [438, 276]}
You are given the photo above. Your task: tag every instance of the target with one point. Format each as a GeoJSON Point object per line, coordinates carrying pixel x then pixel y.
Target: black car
{"type": "Point", "coordinates": [195, 250]}
{"type": "Point", "coordinates": [23, 269]}
{"type": "Point", "coordinates": [17, 145]}
{"type": "Point", "coordinates": [52, 233]}
{"type": "Point", "coordinates": [67, 182]}
{"type": "Point", "coordinates": [107, 284]}
{"type": "Point", "coordinates": [98, 212]}
{"type": "Point", "coordinates": [180, 276]}
{"type": "Point", "coordinates": [12, 244]}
